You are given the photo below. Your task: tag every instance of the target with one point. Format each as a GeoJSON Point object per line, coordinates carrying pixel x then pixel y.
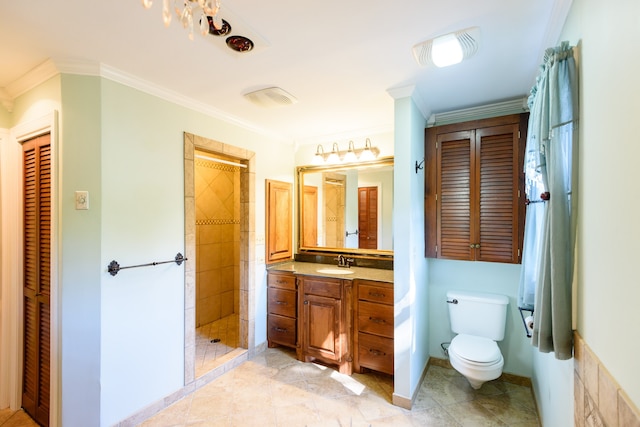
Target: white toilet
{"type": "Point", "coordinates": [479, 320]}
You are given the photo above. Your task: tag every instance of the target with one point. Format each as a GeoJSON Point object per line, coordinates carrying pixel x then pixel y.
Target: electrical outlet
{"type": "Point", "coordinates": [260, 239]}
{"type": "Point", "coordinates": [82, 200]}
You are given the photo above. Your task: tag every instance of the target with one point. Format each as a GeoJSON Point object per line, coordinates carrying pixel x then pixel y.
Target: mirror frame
{"type": "Point", "coordinates": [300, 171]}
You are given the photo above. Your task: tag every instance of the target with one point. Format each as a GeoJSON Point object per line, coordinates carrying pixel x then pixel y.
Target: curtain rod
{"type": "Point", "coordinates": [213, 159]}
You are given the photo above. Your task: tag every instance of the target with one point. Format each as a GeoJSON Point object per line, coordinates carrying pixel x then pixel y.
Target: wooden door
{"type": "Point", "coordinates": [279, 237]}
{"type": "Point", "coordinates": [37, 278]}
{"type": "Point", "coordinates": [334, 202]}
{"type": "Point", "coordinates": [310, 216]}
{"type": "Point", "coordinates": [368, 217]}
{"type": "Point", "coordinates": [321, 317]}
{"type": "Point", "coordinates": [456, 191]}
{"type": "Point", "coordinates": [497, 175]}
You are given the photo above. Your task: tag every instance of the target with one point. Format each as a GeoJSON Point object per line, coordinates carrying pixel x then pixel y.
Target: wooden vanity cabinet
{"type": "Point", "coordinates": [373, 336]}
{"type": "Point", "coordinates": [325, 311]}
{"type": "Point", "coordinates": [282, 309]}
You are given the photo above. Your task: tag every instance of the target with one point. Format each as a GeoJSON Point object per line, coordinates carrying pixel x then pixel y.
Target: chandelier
{"type": "Point", "coordinates": [189, 10]}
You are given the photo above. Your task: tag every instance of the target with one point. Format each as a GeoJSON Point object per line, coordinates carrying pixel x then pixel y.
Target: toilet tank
{"type": "Point", "coordinates": [478, 313]}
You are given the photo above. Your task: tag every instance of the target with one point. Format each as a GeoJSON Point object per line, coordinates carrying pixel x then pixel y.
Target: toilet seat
{"type": "Point", "coordinates": [475, 350]}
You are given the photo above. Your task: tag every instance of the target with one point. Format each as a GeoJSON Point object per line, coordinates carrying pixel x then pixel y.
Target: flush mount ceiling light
{"type": "Point", "coordinates": [186, 10]}
{"type": "Point", "coordinates": [448, 49]}
{"type": "Point", "coordinates": [271, 97]}
{"type": "Point", "coordinates": [206, 15]}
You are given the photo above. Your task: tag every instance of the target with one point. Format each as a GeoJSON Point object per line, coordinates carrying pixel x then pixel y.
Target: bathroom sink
{"type": "Point", "coordinates": [334, 271]}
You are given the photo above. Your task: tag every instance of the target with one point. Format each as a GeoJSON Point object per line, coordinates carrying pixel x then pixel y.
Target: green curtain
{"type": "Point", "coordinates": [550, 228]}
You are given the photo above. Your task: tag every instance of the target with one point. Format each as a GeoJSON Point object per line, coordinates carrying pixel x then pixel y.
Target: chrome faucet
{"type": "Point", "coordinates": [344, 261]}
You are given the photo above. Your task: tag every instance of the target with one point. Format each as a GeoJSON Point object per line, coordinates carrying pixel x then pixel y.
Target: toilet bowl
{"type": "Point", "coordinates": [478, 359]}
{"type": "Point", "coordinates": [479, 320]}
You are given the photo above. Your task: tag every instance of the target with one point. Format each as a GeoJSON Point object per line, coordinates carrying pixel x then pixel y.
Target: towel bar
{"type": "Point", "coordinates": [113, 268]}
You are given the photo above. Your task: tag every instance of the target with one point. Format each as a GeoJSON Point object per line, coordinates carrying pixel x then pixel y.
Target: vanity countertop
{"type": "Point", "coordinates": [327, 270]}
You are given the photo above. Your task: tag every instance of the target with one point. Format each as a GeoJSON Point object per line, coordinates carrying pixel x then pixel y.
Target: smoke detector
{"type": "Point", "coordinates": [448, 49]}
{"type": "Point", "coordinates": [271, 97]}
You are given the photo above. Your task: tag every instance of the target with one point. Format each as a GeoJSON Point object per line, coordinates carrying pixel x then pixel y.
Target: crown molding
{"type": "Point", "coordinates": [410, 92]}
{"type": "Point", "coordinates": [53, 67]}
{"type": "Point", "coordinates": [512, 106]}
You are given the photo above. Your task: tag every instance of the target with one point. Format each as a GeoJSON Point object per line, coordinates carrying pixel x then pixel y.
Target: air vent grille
{"type": "Point", "coordinates": [271, 97]}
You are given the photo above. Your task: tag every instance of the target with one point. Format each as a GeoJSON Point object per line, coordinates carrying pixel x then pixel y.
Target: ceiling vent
{"type": "Point", "coordinates": [468, 40]}
{"type": "Point", "coordinates": [271, 97]}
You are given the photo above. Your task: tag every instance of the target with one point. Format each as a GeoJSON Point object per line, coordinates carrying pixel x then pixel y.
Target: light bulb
{"type": "Point", "coordinates": [446, 50]}
{"type": "Point", "coordinates": [147, 3]}
{"type": "Point", "coordinates": [350, 157]}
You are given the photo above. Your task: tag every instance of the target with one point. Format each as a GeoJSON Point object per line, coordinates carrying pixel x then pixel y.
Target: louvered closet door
{"type": "Point", "coordinates": [37, 273]}
{"type": "Point", "coordinates": [455, 160]}
{"type": "Point", "coordinates": [497, 175]}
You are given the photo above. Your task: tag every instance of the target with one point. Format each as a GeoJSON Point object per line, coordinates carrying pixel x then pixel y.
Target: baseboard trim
{"type": "Point", "coordinates": [405, 402]}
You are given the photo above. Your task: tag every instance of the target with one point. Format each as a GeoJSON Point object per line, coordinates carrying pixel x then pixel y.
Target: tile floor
{"type": "Point", "coordinates": [9, 418]}
{"type": "Point", "coordinates": [208, 353]}
{"type": "Point", "coordinates": [274, 389]}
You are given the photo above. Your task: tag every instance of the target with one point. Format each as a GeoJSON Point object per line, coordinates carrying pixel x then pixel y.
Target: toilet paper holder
{"type": "Point", "coordinates": [524, 321]}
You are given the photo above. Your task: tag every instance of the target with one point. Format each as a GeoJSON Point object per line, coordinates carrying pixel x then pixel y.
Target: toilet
{"type": "Point", "coordinates": [479, 320]}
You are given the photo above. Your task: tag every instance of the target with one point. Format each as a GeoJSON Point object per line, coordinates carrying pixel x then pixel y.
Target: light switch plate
{"type": "Point", "coordinates": [82, 200]}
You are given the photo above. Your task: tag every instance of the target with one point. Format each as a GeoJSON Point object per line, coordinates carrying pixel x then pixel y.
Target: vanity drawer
{"type": "Point", "coordinates": [375, 292]}
{"type": "Point", "coordinates": [323, 287]}
{"type": "Point", "coordinates": [375, 353]}
{"type": "Point", "coordinates": [281, 330]}
{"type": "Point", "coordinates": [375, 318]}
{"type": "Point", "coordinates": [282, 302]}
{"type": "Point", "coordinates": [283, 281]}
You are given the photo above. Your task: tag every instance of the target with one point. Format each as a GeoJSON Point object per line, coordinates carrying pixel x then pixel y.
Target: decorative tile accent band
{"type": "Point", "coordinates": [217, 221]}
{"type": "Point", "coordinates": [218, 166]}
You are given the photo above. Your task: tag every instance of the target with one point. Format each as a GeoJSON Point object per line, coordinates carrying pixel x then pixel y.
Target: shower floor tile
{"type": "Point", "coordinates": [215, 340]}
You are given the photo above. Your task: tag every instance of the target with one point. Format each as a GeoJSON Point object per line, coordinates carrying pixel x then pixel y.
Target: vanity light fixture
{"type": "Point", "coordinates": [367, 154]}
{"type": "Point", "coordinates": [318, 159]}
{"type": "Point", "coordinates": [352, 154]}
{"type": "Point", "coordinates": [448, 49]}
{"type": "Point", "coordinates": [334, 156]}
{"type": "Point", "coordinates": [350, 157]}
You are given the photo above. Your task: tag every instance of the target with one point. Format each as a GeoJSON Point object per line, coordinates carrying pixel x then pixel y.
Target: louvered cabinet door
{"type": "Point", "coordinates": [474, 182]}
{"type": "Point", "coordinates": [455, 225]}
{"type": "Point", "coordinates": [37, 273]}
{"type": "Point", "coordinates": [497, 177]}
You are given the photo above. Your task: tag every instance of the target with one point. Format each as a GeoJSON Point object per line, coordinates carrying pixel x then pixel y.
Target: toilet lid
{"type": "Point", "coordinates": [476, 349]}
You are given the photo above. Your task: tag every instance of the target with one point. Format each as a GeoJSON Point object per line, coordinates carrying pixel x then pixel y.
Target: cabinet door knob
{"type": "Point", "coordinates": [306, 302]}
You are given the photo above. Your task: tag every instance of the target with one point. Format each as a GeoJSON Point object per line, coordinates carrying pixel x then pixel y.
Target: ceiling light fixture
{"type": "Point", "coordinates": [448, 49]}
{"type": "Point", "coordinates": [350, 156]}
{"type": "Point", "coordinates": [186, 10]}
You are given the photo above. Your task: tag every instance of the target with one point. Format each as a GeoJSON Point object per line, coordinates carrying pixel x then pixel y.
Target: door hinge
{"type": "Point", "coordinates": [436, 197]}
{"type": "Point", "coordinates": [518, 253]}
{"type": "Point", "coordinates": [436, 145]}
{"type": "Point", "coordinates": [518, 134]}
{"type": "Point", "coordinates": [436, 248]}
{"type": "Point", "coordinates": [518, 194]}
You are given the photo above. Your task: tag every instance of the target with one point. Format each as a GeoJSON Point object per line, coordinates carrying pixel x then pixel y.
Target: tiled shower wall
{"type": "Point", "coordinates": [599, 400]}
{"type": "Point", "coordinates": [217, 190]}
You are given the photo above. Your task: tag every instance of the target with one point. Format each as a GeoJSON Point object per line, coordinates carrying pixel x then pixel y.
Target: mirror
{"type": "Point", "coordinates": [346, 208]}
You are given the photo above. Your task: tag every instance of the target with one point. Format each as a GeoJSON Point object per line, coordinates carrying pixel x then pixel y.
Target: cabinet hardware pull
{"type": "Point", "coordinates": [280, 329]}
{"type": "Point", "coordinates": [376, 294]}
{"type": "Point", "coordinates": [281, 302]}
{"type": "Point", "coordinates": [377, 352]}
{"type": "Point", "coordinates": [306, 302]}
{"type": "Point", "coordinates": [377, 320]}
